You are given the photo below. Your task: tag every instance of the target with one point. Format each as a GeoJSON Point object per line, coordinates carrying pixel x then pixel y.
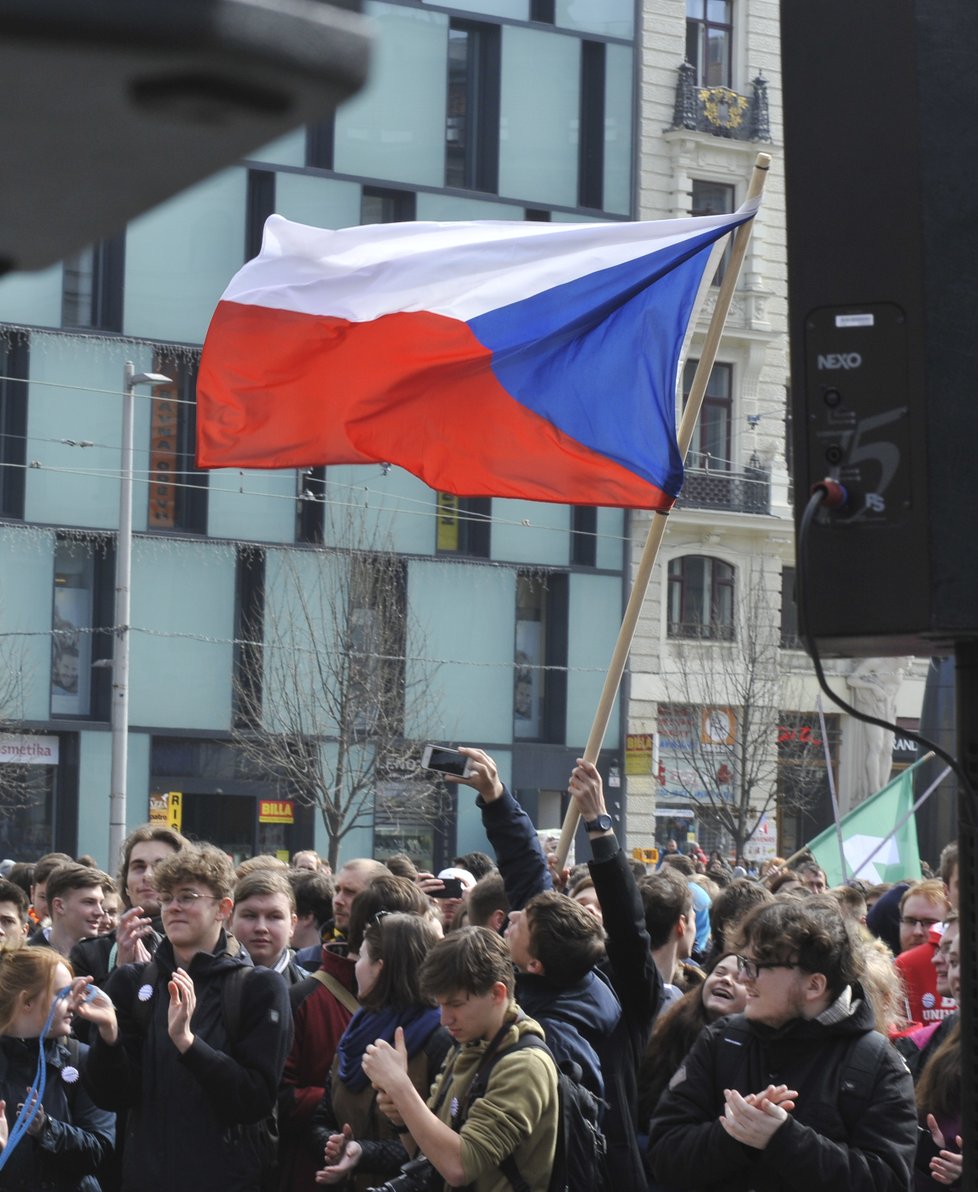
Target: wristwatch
{"type": "Point", "coordinates": [601, 823]}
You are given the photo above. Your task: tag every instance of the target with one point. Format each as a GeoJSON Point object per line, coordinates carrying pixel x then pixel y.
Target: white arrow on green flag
{"type": "Point", "coordinates": [879, 837]}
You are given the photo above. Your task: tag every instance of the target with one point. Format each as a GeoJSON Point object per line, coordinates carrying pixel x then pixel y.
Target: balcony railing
{"type": "Point", "coordinates": [735, 492]}
{"type": "Point", "coordinates": [720, 111]}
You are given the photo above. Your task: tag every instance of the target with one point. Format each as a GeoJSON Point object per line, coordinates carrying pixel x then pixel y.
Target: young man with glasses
{"type": "Point", "coordinates": [924, 909]}
{"type": "Point", "coordinates": [924, 905]}
{"type": "Point", "coordinates": [799, 1092]}
{"type": "Point", "coordinates": [196, 1059]}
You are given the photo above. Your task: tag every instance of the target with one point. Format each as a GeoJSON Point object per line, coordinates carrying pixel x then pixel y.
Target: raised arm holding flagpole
{"type": "Point", "coordinates": [657, 529]}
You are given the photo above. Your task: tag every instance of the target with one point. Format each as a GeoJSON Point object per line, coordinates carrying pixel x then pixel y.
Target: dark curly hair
{"type": "Point", "coordinates": [812, 934]}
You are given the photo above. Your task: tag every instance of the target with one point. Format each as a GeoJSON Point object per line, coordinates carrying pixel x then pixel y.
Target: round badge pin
{"type": "Point", "coordinates": [145, 993]}
{"type": "Point", "coordinates": [69, 1074]}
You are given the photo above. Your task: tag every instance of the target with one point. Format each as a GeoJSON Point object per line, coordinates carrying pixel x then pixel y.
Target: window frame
{"type": "Point", "coordinates": [94, 641]}
{"type": "Point", "coordinates": [719, 577]}
{"type": "Point", "coordinates": [463, 526]}
{"type": "Point", "coordinates": [543, 667]}
{"type": "Point", "coordinates": [397, 206]}
{"type": "Point", "coordinates": [177, 496]}
{"type": "Point", "coordinates": [591, 123]}
{"type": "Point", "coordinates": [716, 405]}
{"type": "Point", "coordinates": [476, 166]}
{"type": "Point", "coordinates": [15, 357]}
{"type": "Point", "coordinates": [699, 28]}
{"type": "Point", "coordinates": [105, 303]}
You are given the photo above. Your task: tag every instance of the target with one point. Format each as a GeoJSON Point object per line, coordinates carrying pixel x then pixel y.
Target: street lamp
{"type": "Point", "coordinates": [123, 580]}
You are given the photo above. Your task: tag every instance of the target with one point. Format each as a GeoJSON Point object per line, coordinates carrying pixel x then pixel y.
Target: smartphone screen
{"type": "Point", "coordinates": [447, 761]}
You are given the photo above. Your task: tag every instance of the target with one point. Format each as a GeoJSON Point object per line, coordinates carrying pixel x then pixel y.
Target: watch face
{"type": "Point", "coordinates": [601, 824]}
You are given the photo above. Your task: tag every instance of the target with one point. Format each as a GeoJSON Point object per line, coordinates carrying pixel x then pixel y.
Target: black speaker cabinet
{"type": "Point", "coordinates": [881, 161]}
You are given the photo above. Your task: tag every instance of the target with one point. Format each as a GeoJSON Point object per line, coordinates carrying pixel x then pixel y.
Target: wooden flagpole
{"type": "Point", "coordinates": [657, 529]}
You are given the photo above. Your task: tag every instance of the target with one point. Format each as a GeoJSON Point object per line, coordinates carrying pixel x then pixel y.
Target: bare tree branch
{"type": "Point", "coordinates": [324, 696]}
{"type": "Point", "coordinates": [725, 727]}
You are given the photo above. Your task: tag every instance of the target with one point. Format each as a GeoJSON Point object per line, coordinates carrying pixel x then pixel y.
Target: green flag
{"type": "Point", "coordinates": [869, 829]}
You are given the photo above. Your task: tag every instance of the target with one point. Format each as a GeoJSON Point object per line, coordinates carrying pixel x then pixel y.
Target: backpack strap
{"type": "Point", "coordinates": [232, 995]}
{"type": "Point", "coordinates": [859, 1074]}
{"type": "Point", "coordinates": [477, 1088]}
{"type": "Point", "coordinates": [732, 1042]}
{"type": "Point", "coordinates": [339, 991]}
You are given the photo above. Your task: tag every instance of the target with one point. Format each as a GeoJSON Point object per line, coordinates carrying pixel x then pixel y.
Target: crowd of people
{"type": "Point", "coordinates": [274, 1028]}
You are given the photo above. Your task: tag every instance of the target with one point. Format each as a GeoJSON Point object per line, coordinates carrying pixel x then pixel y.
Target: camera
{"type": "Point", "coordinates": [416, 1176]}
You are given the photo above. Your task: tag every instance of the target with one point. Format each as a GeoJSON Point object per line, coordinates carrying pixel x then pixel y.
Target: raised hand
{"type": "Point", "coordinates": [183, 1002]}
{"type": "Point", "coordinates": [133, 928]}
{"type": "Point", "coordinates": [89, 1002]}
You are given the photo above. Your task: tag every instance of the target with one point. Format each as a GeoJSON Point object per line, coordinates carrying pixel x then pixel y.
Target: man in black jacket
{"type": "Point", "coordinates": [198, 1085]}
{"type": "Point", "coordinates": [601, 1017]}
{"type": "Point", "coordinates": [799, 1092]}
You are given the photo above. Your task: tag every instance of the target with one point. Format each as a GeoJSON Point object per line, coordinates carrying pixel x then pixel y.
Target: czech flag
{"type": "Point", "coordinates": [528, 360]}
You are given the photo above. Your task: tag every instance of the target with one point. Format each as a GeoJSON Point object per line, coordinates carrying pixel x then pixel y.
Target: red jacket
{"type": "Point", "coordinates": [319, 1020]}
{"type": "Point", "coordinates": [916, 967]}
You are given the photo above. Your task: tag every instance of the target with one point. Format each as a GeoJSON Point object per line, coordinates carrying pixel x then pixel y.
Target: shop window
{"type": "Point", "coordinates": [177, 490]}
{"type": "Point", "coordinates": [540, 661]}
{"type": "Point", "coordinates": [701, 598]}
{"type": "Point", "coordinates": [464, 525]}
{"type": "Point", "coordinates": [14, 370]}
{"type": "Point", "coordinates": [472, 119]}
{"type": "Point", "coordinates": [709, 41]}
{"type": "Point", "coordinates": [39, 794]}
{"type": "Point", "coordinates": [92, 283]}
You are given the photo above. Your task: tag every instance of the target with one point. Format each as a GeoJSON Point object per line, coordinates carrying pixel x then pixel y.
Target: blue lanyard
{"type": "Point", "coordinates": [31, 1102]}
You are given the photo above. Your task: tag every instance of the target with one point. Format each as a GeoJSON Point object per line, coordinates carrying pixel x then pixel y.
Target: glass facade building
{"type": "Point", "coordinates": [487, 109]}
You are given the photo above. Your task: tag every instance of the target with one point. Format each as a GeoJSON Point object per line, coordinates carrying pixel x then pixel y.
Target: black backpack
{"type": "Point", "coordinates": [580, 1161]}
{"type": "Point", "coordinates": [262, 1137]}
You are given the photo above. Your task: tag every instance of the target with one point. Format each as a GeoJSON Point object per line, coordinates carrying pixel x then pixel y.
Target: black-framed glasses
{"type": "Point", "coordinates": [185, 899]}
{"type": "Point", "coordinates": [910, 921]}
{"type": "Point", "coordinates": [746, 967]}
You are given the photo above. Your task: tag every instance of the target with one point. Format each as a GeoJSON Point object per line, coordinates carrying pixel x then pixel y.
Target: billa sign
{"type": "Point", "coordinates": [276, 811]}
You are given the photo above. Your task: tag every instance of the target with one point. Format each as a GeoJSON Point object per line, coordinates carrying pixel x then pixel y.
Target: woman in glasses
{"type": "Point", "coordinates": [349, 1127]}
{"type": "Point", "coordinates": [676, 1030]}
{"type": "Point", "coordinates": [68, 1138]}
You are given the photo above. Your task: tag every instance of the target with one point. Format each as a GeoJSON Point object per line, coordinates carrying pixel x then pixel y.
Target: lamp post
{"type": "Point", "coordinates": [123, 580]}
